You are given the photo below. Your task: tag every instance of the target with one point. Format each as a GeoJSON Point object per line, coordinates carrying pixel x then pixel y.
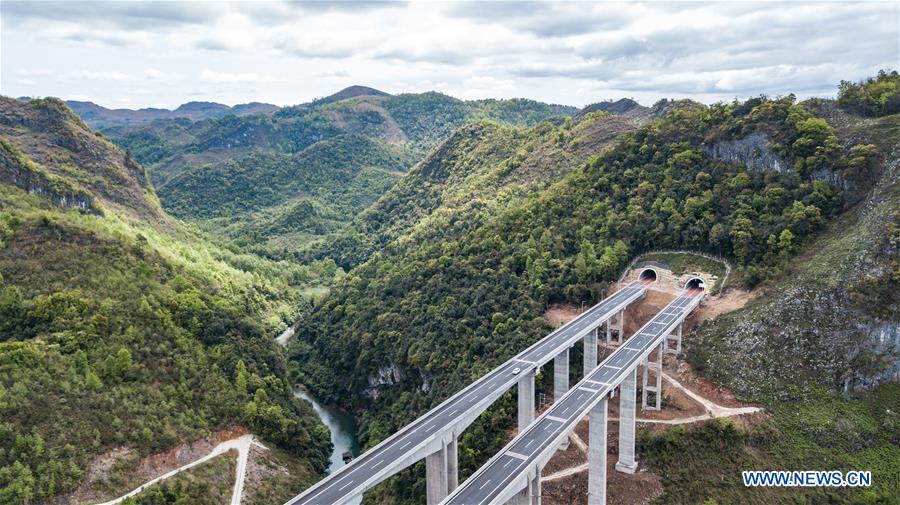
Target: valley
{"type": "Point", "coordinates": [414, 243]}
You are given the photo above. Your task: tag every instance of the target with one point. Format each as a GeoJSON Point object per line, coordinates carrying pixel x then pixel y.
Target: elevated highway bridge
{"type": "Point", "coordinates": [513, 475]}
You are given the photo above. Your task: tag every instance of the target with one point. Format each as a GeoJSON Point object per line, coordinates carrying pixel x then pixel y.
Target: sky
{"type": "Point", "coordinates": [163, 53]}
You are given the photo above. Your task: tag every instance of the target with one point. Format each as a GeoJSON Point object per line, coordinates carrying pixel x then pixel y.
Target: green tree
{"type": "Point", "coordinates": [240, 379]}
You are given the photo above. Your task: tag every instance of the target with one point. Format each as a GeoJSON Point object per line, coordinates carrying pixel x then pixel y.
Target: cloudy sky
{"type": "Point", "coordinates": [164, 53]}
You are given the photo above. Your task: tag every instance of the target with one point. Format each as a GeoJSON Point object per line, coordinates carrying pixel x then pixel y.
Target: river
{"type": "Point", "coordinates": [341, 425]}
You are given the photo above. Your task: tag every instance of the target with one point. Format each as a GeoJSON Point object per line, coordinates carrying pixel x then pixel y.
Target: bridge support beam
{"type": "Point", "coordinates": [597, 454]}
{"type": "Point", "coordinates": [656, 366]}
{"type": "Point", "coordinates": [526, 399]}
{"type": "Point", "coordinates": [590, 351]}
{"type": "Point", "coordinates": [561, 383]}
{"type": "Point", "coordinates": [627, 400]}
{"type": "Point", "coordinates": [676, 339]}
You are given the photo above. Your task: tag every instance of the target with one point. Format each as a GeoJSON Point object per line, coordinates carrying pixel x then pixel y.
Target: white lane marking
{"type": "Point", "coordinates": [345, 486]}
{"type": "Point", "coordinates": [407, 443]}
{"type": "Point", "coordinates": [557, 419]}
{"type": "Point", "coordinates": [378, 463]}
{"type": "Point", "coordinates": [516, 455]}
{"type": "Point", "coordinates": [529, 443]}
{"type": "Point", "coordinates": [429, 428]}
{"type": "Point", "coordinates": [589, 389]}
{"type": "Point", "coordinates": [485, 484]}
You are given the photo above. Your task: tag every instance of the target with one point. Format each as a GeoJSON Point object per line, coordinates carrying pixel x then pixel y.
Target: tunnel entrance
{"type": "Point", "coordinates": [647, 276]}
{"type": "Point", "coordinates": [696, 283]}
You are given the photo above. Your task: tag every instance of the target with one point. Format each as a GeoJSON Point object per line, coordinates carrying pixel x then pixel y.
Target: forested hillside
{"type": "Point", "coordinates": [448, 285]}
{"type": "Point", "coordinates": [119, 327]}
{"type": "Point", "coordinates": [314, 166]}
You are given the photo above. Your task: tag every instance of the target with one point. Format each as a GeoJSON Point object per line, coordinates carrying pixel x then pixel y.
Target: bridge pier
{"type": "Point", "coordinates": [590, 351]}
{"type": "Point", "coordinates": [627, 400]}
{"type": "Point", "coordinates": [619, 327]}
{"type": "Point", "coordinates": [597, 454]}
{"type": "Point", "coordinates": [561, 383]}
{"type": "Point", "coordinates": [436, 476]}
{"type": "Point", "coordinates": [452, 466]}
{"type": "Point", "coordinates": [534, 489]}
{"type": "Point", "coordinates": [646, 388]}
{"type": "Point", "coordinates": [441, 472]}
{"type": "Point", "coordinates": [526, 399]}
{"type": "Point", "coordinates": [676, 339]}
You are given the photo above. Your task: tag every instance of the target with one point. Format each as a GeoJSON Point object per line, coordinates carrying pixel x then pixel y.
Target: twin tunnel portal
{"type": "Point", "coordinates": [513, 475]}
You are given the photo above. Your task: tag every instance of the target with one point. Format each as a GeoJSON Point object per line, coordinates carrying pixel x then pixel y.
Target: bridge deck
{"type": "Point", "coordinates": [506, 473]}
{"type": "Point", "coordinates": [416, 439]}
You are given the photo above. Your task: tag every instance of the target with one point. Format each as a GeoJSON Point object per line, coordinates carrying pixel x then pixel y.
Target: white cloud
{"type": "Point", "coordinates": [564, 52]}
{"type": "Point", "coordinates": [213, 77]}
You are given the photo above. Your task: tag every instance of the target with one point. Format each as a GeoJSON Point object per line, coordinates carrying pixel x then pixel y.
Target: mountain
{"type": "Point", "coordinates": [452, 269]}
{"type": "Point", "coordinates": [99, 117]}
{"type": "Point", "coordinates": [350, 92]}
{"type": "Point", "coordinates": [315, 165]}
{"type": "Point", "coordinates": [124, 333]}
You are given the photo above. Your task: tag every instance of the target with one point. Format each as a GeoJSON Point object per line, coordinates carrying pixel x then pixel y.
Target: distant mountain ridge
{"type": "Point", "coordinates": [99, 117]}
{"type": "Point", "coordinates": [332, 158]}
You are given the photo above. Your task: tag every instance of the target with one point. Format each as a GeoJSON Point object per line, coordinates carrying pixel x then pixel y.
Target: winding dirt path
{"type": "Point", "coordinates": [241, 444]}
{"type": "Point", "coordinates": [713, 410]}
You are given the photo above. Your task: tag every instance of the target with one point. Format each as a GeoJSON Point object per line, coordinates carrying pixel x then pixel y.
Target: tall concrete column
{"type": "Point", "coordinates": [590, 351]}
{"type": "Point", "coordinates": [597, 454]}
{"type": "Point", "coordinates": [452, 465]}
{"type": "Point", "coordinates": [526, 399]}
{"type": "Point", "coordinates": [654, 365]}
{"type": "Point", "coordinates": [534, 490]}
{"type": "Point", "coordinates": [627, 400]}
{"type": "Point", "coordinates": [621, 326]}
{"type": "Point", "coordinates": [561, 383]}
{"type": "Point", "coordinates": [560, 375]}
{"type": "Point", "coordinates": [436, 476]}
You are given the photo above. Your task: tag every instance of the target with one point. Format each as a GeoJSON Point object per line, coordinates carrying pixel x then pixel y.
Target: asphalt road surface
{"type": "Point", "coordinates": [488, 484]}
{"type": "Point", "coordinates": [393, 454]}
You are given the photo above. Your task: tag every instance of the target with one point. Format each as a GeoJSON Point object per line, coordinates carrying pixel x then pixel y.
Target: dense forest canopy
{"type": "Point", "coordinates": [120, 327]}
{"type": "Point", "coordinates": [443, 303]}
{"type": "Point", "coordinates": [875, 96]}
